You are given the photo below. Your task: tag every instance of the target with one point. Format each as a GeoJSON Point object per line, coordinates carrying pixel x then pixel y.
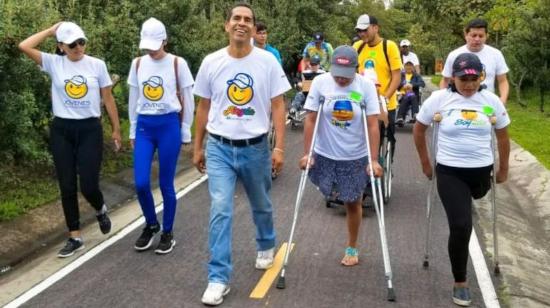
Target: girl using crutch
{"type": "Point", "coordinates": [340, 150]}
{"type": "Point", "coordinates": [466, 114]}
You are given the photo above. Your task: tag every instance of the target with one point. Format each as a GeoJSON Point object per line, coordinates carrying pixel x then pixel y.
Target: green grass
{"type": "Point", "coordinates": [530, 128]}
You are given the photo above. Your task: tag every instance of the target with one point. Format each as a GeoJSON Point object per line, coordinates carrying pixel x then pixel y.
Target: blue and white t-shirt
{"type": "Point", "coordinates": [76, 85]}
{"type": "Point", "coordinates": [240, 92]}
{"type": "Point", "coordinates": [340, 134]}
{"type": "Point", "coordinates": [464, 138]}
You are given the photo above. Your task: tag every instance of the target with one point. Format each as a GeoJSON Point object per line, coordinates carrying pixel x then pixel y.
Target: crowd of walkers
{"type": "Point", "coordinates": [240, 90]}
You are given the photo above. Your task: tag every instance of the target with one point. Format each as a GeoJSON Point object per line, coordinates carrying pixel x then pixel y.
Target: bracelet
{"type": "Point", "coordinates": [278, 150]}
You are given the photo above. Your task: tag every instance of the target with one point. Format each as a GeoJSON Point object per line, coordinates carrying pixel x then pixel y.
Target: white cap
{"type": "Point", "coordinates": [364, 21]}
{"type": "Point", "coordinates": [405, 43]}
{"type": "Point", "coordinates": [152, 34]}
{"type": "Point", "coordinates": [68, 32]}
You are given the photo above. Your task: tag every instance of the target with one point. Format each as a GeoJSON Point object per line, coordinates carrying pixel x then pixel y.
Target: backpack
{"type": "Point", "coordinates": [178, 94]}
{"type": "Point", "coordinates": [385, 48]}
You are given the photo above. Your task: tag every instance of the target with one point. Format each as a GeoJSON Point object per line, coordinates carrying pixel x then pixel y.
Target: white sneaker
{"type": "Point", "coordinates": [264, 260]}
{"type": "Point", "coordinates": [214, 293]}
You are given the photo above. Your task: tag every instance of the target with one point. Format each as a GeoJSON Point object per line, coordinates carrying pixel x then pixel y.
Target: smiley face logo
{"type": "Point", "coordinates": [343, 110]}
{"type": "Point", "coordinates": [152, 88]}
{"type": "Point", "coordinates": [239, 90]}
{"type": "Point", "coordinates": [76, 87]}
{"type": "Point", "coordinates": [468, 114]}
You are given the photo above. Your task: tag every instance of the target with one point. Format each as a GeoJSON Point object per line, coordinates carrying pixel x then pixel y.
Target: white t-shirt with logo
{"type": "Point", "coordinates": [340, 134]}
{"type": "Point", "coordinates": [464, 138]}
{"type": "Point", "coordinates": [491, 58]}
{"type": "Point", "coordinates": [155, 83]}
{"type": "Point", "coordinates": [411, 57]}
{"type": "Point", "coordinates": [240, 92]}
{"type": "Point", "coordinates": [76, 85]}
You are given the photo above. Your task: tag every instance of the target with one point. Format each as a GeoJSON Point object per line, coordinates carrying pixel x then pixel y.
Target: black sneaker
{"type": "Point", "coordinates": [461, 296]}
{"type": "Point", "coordinates": [104, 223]}
{"type": "Point", "coordinates": [166, 243]}
{"type": "Point", "coordinates": [70, 248]}
{"type": "Point", "coordinates": [146, 238]}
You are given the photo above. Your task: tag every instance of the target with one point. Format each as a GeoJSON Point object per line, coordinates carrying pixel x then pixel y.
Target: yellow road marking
{"type": "Point", "coordinates": [269, 276]}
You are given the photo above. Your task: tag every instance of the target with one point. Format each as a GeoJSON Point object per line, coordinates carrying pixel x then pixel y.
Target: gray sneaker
{"type": "Point", "coordinates": [72, 246]}
{"type": "Point", "coordinates": [461, 296]}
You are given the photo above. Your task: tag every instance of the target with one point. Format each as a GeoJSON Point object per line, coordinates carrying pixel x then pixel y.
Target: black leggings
{"type": "Point", "coordinates": [390, 132]}
{"type": "Point", "coordinates": [457, 187]}
{"type": "Point", "coordinates": [77, 148]}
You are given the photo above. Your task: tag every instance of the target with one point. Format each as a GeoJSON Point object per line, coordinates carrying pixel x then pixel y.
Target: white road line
{"type": "Point", "coordinates": [482, 273]}
{"type": "Point", "coordinates": [43, 285]}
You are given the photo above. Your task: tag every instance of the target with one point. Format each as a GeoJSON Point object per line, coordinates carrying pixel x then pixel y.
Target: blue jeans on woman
{"type": "Point", "coordinates": [162, 133]}
{"type": "Point", "coordinates": [252, 166]}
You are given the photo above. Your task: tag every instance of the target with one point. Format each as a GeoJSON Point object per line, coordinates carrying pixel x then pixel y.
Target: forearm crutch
{"type": "Point", "coordinates": [303, 181]}
{"type": "Point", "coordinates": [376, 187]}
{"type": "Point", "coordinates": [493, 121]}
{"type": "Point", "coordinates": [436, 119]}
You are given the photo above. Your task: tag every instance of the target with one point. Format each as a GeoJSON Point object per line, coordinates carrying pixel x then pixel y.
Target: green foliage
{"type": "Point", "coordinates": [530, 128]}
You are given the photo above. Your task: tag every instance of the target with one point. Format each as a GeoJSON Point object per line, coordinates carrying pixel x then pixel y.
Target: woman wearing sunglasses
{"type": "Point", "coordinates": [79, 84]}
{"type": "Point", "coordinates": [161, 109]}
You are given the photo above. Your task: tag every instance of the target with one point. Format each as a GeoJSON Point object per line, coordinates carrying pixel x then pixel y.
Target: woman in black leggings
{"type": "Point", "coordinates": [464, 157]}
{"type": "Point", "coordinates": [79, 84]}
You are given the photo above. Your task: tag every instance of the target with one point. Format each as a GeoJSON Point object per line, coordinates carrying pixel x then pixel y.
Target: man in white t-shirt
{"type": "Point", "coordinates": [493, 61]}
{"type": "Point", "coordinates": [408, 56]}
{"type": "Point", "coordinates": [239, 87]}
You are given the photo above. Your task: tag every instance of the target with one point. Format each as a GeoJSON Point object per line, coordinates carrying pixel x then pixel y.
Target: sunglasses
{"type": "Point", "coordinates": [81, 42]}
{"type": "Point", "coordinates": [361, 30]}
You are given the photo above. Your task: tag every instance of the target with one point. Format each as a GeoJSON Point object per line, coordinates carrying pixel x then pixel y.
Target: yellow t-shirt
{"type": "Point", "coordinates": [383, 72]}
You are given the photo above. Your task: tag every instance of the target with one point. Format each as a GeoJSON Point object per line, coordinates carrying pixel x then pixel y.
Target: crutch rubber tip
{"type": "Point", "coordinates": [497, 270]}
{"type": "Point", "coordinates": [438, 117]}
{"type": "Point", "coordinates": [281, 283]}
{"type": "Point", "coordinates": [426, 264]}
{"type": "Point", "coordinates": [391, 295]}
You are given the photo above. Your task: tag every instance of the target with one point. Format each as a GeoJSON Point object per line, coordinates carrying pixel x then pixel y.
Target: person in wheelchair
{"type": "Point", "coordinates": [409, 95]}
{"type": "Point", "coordinates": [303, 86]}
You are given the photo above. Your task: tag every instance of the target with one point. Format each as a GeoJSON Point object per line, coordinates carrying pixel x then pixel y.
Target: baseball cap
{"type": "Point", "coordinates": [344, 62]}
{"type": "Point", "coordinates": [467, 64]}
{"type": "Point", "coordinates": [405, 43]}
{"type": "Point", "coordinates": [318, 36]}
{"type": "Point", "coordinates": [68, 32]}
{"type": "Point", "coordinates": [242, 81]}
{"type": "Point", "coordinates": [364, 21]}
{"type": "Point", "coordinates": [315, 60]}
{"type": "Point", "coordinates": [152, 34]}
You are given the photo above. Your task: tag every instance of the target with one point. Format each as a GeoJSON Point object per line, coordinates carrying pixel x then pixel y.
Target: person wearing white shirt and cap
{"type": "Point", "coordinates": [408, 56]}
{"type": "Point", "coordinates": [161, 108]}
{"type": "Point", "coordinates": [80, 83]}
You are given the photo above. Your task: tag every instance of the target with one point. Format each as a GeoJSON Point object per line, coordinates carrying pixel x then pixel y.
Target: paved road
{"type": "Point", "coordinates": [121, 277]}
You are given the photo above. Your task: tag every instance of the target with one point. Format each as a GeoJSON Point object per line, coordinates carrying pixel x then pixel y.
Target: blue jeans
{"type": "Point", "coordinates": [162, 133]}
{"type": "Point", "coordinates": [252, 166]}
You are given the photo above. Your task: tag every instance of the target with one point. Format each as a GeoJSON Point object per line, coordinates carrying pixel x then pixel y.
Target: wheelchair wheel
{"type": "Point", "coordinates": [387, 166]}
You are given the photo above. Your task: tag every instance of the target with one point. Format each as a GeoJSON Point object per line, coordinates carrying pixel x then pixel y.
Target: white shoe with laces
{"type": "Point", "coordinates": [264, 260]}
{"type": "Point", "coordinates": [214, 293]}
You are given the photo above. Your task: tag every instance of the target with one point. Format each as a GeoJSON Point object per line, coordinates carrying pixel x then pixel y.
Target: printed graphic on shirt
{"type": "Point", "coordinates": [152, 88]}
{"type": "Point", "coordinates": [468, 118]}
{"type": "Point", "coordinates": [342, 112]}
{"type": "Point", "coordinates": [76, 87]}
{"type": "Point", "coordinates": [240, 92]}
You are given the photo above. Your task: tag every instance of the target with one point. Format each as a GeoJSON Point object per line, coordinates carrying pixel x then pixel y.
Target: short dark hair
{"type": "Point", "coordinates": [260, 26]}
{"type": "Point", "coordinates": [476, 23]}
{"type": "Point", "coordinates": [229, 12]}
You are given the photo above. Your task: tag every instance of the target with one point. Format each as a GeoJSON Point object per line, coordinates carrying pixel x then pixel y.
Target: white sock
{"type": "Point", "coordinates": [103, 210]}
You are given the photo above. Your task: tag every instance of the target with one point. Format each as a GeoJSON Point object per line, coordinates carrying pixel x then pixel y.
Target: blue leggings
{"type": "Point", "coordinates": [154, 132]}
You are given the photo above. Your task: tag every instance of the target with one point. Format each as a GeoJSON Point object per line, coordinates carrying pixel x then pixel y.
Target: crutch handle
{"type": "Point", "coordinates": [438, 117]}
